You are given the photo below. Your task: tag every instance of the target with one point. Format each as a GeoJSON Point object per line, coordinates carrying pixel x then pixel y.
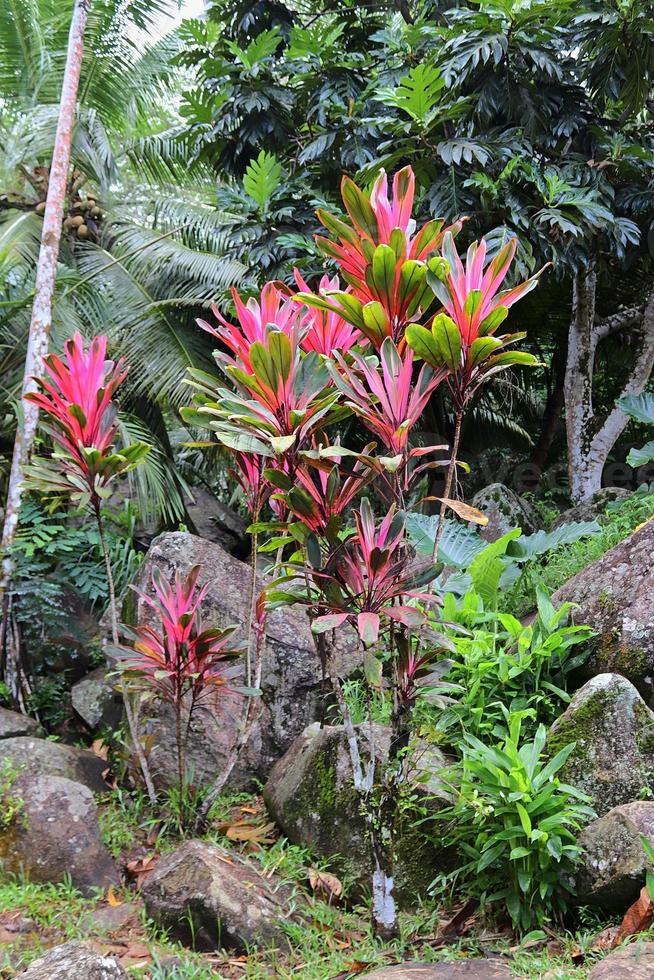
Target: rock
{"type": "Point", "coordinates": [291, 684]}
{"type": "Point", "coordinates": [40, 757]}
{"type": "Point", "coordinates": [13, 724]}
{"type": "Point", "coordinates": [614, 733]}
{"type": "Point", "coordinates": [505, 509]}
{"type": "Point", "coordinates": [311, 797]}
{"type": "Point", "coordinates": [633, 962]}
{"type": "Point", "coordinates": [213, 521]}
{"type": "Point", "coordinates": [74, 961]}
{"type": "Point", "coordinates": [96, 700]}
{"type": "Point", "coordinates": [614, 863]}
{"type": "Point", "coordinates": [229, 904]}
{"type": "Point", "coordinates": [593, 509]}
{"type": "Point", "coordinates": [55, 833]}
{"type": "Point", "coordinates": [460, 970]}
{"type": "Point", "coordinates": [615, 594]}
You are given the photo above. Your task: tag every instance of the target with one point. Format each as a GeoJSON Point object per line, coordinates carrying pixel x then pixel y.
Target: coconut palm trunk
{"type": "Point", "coordinates": [39, 332]}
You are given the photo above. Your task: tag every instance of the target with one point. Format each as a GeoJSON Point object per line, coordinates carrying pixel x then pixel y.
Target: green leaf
{"type": "Point", "coordinates": [639, 407]}
{"type": "Point", "coordinates": [642, 456]}
{"type": "Point", "coordinates": [417, 93]}
{"type": "Point", "coordinates": [262, 178]}
{"type": "Point", "coordinates": [448, 341]}
{"type": "Point", "coordinates": [372, 669]}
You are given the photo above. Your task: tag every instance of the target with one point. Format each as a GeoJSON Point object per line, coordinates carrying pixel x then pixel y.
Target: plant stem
{"type": "Point", "coordinates": [448, 482]}
{"type": "Point", "coordinates": [113, 614]}
{"type": "Point", "coordinates": [251, 611]}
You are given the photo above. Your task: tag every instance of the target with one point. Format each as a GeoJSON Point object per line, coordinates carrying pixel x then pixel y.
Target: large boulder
{"type": "Point", "coordinates": [55, 834]}
{"type": "Point", "coordinates": [40, 757]}
{"type": "Point", "coordinates": [97, 701]}
{"type": "Point", "coordinates": [209, 899]}
{"type": "Point", "coordinates": [74, 961]}
{"type": "Point", "coordinates": [593, 509]}
{"type": "Point", "coordinates": [633, 962]}
{"type": "Point", "coordinates": [505, 509]}
{"type": "Point", "coordinates": [310, 795]}
{"type": "Point", "coordinates": [615, 595]}
{"type": "Point", "coordinates": [460, 970]}
{"type": "Point", "coordinates": [614, 863]}
{"type": "Point", "coordinates": [613, 732]}
{"type": "Point", "coordinates": [13, 724]}
{"type": "Point", "coordinates": [292, 687]}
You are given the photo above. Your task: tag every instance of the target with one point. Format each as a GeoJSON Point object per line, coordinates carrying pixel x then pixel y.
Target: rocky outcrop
{"type": "Point", "coordinates": [614, 864]}
{"type": "Point", "coordinates": [96, 700]}
{"type": "Point", "coordinates": [634, 962]}
{"type": "Point", "coordinates": [292, 689]}
{"type": "Point", "coordinates": [74, 961]}
{"type": "Point", "coordinates": [40, 757]}
{"type": "Point", "coordinates": [13, 725]}
{"type": "Point", "coordinates": [311, 796]}
{"type": "Point", "coordinates": [209, 899]}
{"type": "Point", "coordinates": [613, 732]}
{"type": "Point", "coordinates": [461, 970]}
{"type": "Point", "coordinates": [212, 520]}
{"type": "Point", "coordinates": [616, 598]}
{"type": "Point", "coordinates": [55, 834]}
{"type": "Point", "coordinates": [593, 509]}
{"type": "Point", "coordinates": [505, 509]}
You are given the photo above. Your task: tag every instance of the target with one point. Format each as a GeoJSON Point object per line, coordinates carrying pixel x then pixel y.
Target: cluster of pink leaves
{"type": "Point", "coordinates": [179, 657]}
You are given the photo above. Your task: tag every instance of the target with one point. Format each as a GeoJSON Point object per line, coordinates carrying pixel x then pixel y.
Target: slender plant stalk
{"type": "Point", "coordinates": [39, 332]}
{"type": "Point", "coordinates": [451, 469]}
{"type": "Point", "coordinates": [252, 602]}
{"type": "Point", "coordinates": [113, 614]}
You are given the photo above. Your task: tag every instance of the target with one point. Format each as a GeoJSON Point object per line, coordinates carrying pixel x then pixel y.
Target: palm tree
{"type": "Point", "coordinates": [143, 244]}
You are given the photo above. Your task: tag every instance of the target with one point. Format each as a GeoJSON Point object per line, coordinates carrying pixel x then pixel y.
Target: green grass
{"type": "Point", "coordinates": [560, 565]}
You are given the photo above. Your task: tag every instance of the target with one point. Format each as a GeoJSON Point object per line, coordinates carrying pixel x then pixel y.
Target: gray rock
{"type": "Point", "coordinates": [461, 970]}
{"type": "Point", "coordinates": [615, 594]}
{"type": "Point", "coordinates": [96, 700]}
{"type": "Point", "coordinates": [215, 522]}
{"type": "Point", "coordinates": [292, 683]}
{"type": "Point", "coordinates": [614, 734]}
{"type": "Point", "coordinates": [592, 509]}
{"type": "Point", "coordinates": [505, 509]}
{"type": "Point", "coordinates": [55, 833]}
{"type": "Point", "coordinates": [74, 961]}
{"type": "Point", "coordinates": [40, 757]}
{"type": "Point", "coordinates": [209, 900]}
{"type": "Point", "coordinates": [634, 962]}
{"type": "Point", "coordinates": [311, 796]}
{"type": "Point", "coordinates": [13, 724]}
{"type": "Point", "coordinates": [614, 863]}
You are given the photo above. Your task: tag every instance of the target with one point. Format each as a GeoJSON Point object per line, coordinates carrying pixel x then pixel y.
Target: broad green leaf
{"type": "Point", "coordinates": [262, 177]}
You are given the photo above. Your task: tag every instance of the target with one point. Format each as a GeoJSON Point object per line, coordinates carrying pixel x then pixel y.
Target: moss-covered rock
{"type": "Point", "coordinates": [592, 509]}
{"type": "Point", "coordinates": [505, 509]}
{"type": "Point", "coordinates": [613, 732]}
{"type": "Point", "coordinates": [614, 863]}
{"type": "Point", "coordinates": [615, 595]}
{"type": "Point", "coordinates": [310, 794]}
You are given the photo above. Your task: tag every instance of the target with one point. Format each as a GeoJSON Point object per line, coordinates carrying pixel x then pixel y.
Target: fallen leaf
{"type": "Point", "coordinates": [637, 918]}
{"type": "Point", "coordinates": [603, 940]}
{"type": "Point", "coordinates": [322, 881]}
{"type": "Point", "coordinates": [458, 923]}
{"type": "Point", "coordinates": [140, 866]}
{"type": "Point", "coordinates": [465, 511]}
{"type": "Point", "coordinates": [111, 898]}
{"type": "Point", "coordinates": [100, 748]}
{"type": "Point", "coordinates": [109, 779]}
{"type": "Point", "coordinates": [246, 830]}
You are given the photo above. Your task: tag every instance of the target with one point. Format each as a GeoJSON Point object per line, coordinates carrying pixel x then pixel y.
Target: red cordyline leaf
{"type": "Point", "coordinates": [482, 279]}
{"type": "Point", "coordinates": [76, 397]}
{"type": "Point", "coordinates": [385, 396]}
{"type": "Point", "coordinates": [382, 258]}
{"type": "Point", "coordinates": [181, 656]}
{"type": "Point", "coordinates": [326, 331]}
{"type": "Point", "coordinates": [275, 306]}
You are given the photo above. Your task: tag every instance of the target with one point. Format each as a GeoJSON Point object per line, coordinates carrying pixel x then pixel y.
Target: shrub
{"type": "Point", "coordinates": [516, 823]}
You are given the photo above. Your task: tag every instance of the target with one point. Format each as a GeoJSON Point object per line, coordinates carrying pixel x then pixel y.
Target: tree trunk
{"type": "Point", "coordinates": [590, 439]}
{"type": "Point", "coordinates": [43, 294]}
{"type": "Point", "coordinates": [553, 410]}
